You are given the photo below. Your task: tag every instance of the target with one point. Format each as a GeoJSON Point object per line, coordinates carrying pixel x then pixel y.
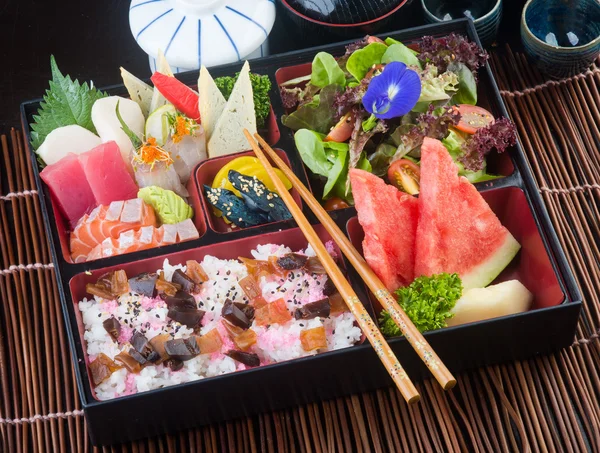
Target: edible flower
{"type": "Point", "coordinates": [394, 92]}
{"type": "Point", "coordinates": [150, 154]}
{"type": "Point", "coordinates": [181, 126]}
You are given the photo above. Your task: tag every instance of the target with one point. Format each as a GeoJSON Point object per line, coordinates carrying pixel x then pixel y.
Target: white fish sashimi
{"type": "Point", "coordinates": [162, 175]}
{"type": "Point", "coordinates": [187, 153]}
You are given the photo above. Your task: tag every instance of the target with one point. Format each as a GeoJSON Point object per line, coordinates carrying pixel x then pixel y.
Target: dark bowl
{"type": "Point", "coordinates": [348, 18]}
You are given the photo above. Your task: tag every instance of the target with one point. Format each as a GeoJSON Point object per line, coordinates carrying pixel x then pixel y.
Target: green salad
{"type": "Point", "coordinates": [372, 107]}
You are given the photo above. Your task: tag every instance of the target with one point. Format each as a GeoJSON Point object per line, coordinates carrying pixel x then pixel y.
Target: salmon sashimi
{"type": "Point", "coordinates": [106, 222]}
{"type": "Point", "coordinates": [146, 237]}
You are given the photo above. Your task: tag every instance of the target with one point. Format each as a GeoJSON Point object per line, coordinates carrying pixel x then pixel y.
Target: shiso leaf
{"type": "Point", "coordinates": [67, 102]}
{"type": "Point", "coordinates": [169, 207]}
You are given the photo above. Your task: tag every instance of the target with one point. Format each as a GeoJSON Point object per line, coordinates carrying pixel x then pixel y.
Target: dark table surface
{"type": "Point", "coordinates": [91, 40]}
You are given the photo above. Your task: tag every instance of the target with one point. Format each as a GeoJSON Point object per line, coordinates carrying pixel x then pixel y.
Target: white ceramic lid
{"type": "Point", "coordinates": [201, 32]}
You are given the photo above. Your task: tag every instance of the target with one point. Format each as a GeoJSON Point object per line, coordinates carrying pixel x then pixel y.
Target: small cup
{"type": "Point", "coordinates": [562, 37]}
{"type": "Point", "coordinates": [485, 14]}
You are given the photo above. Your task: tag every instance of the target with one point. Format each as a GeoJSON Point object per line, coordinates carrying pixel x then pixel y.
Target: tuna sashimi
{"type": "Point", "coordinates": [70, 188]}
{"type": "Point", "coordinates": [108, 222]}
{"type": "Point", "coordinates": [144, 238]}
{"type": "Point", "coordinates": [389, 219]}
{"type": "Point", "coordinates": [107, 174]}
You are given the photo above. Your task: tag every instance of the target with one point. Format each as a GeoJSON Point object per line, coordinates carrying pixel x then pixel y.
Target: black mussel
{"type": "Point", "coordinates": [320, 308]}
{"type": "Point", "coordinates": [187, 284]}
{"type": "Point", "coordinates": [234, 315]}
{"type": "Point", "coordinates": [292, 261]}
{"type": "Point", "coordinates": [113, 327]}
{"type": "Point", "coordinates": [247, 358]}
{"type": "Point", "coordinates": [144, 284]}
{"type": "Point", "coordinates": [182, 349]}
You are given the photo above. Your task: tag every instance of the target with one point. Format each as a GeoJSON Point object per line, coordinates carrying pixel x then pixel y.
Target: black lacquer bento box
{"type": "Point", "coordinates": [540, 265]}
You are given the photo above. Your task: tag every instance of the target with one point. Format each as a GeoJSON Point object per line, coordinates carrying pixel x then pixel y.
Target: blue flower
{"type": "Point", "coordinates": [392, 93]}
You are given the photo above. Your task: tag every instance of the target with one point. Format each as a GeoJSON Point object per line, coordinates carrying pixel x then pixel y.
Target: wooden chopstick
{"type": "Point", "coordinates": [408, 329]}
{"type": "Point", "coordinates": [391, 363]}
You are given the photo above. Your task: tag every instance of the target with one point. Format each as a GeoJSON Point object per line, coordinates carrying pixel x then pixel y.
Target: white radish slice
{"type": "Point", "coordinates": [65, 140]}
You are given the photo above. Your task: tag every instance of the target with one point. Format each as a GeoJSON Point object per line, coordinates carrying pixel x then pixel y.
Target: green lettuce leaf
{"type": "Point", "coordinates": [427, 302]}
{"type": "Point", "coordinates": [168, 206]}
{"type": "Point", "coordinates": [317, 115]}
{"type": "Point", "coordinates": [311, 149]}
{"type": "Point", "coordinates": [67, 102]}
{"type": "Point", "coordinates": [399, 52]}
{"type": "Point", "coordinates": [437, 87]}
{"type": "Point", "coordinates": [380, 159]}
{"type": "Point", "coordinates": [454, 143]}
{"type": "Point", "coordinates": [392, 41]}
{"type": "Point", "coordinates": [467, 86]}
{"type": "Point", "coordinates": [362, 60]}
{"type": "Point", "coordinates": [326, 71]}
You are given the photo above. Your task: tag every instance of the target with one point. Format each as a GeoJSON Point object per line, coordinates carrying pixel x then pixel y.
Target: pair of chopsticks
{"type": "Point", "coordinates": [386, 355]}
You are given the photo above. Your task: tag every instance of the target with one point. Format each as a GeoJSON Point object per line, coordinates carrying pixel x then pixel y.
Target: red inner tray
{"type": "Point", "coordinates": [206, 172]}
{"type": "Point", "coordinates": [293, 238]}
{"type": "Point", "coordinates": [498, 164]}
{"type": "Point", "coordinates": [531, 266]}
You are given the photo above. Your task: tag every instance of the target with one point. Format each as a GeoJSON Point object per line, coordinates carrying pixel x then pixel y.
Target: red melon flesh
{"type": "Point", "coordinates": [457, 230]}
{"type": "Point", "coordinates": [389, 219]}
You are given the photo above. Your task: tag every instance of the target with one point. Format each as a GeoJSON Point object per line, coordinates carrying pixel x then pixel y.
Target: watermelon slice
{"type": "Point", "coordinates": [177, 93]}
{"type": "Point", "coordinates": [389, 219]}
{"type": "Point", "coordinates": [457, 230]}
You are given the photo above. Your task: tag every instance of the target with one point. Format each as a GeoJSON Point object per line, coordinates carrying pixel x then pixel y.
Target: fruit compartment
{"type": "Point", "coordinates": [293, 238]}
{"type": "Point", "coordinates": [533, 266]}
{"type": "Point", "coordinates": [205, 174]}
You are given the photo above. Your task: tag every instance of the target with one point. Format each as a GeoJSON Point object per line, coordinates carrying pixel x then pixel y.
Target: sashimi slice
{"type": "Point", "coordinates": [457, 232]}
{"type": "Point", "coordinates": [107, 174]}
{"type": "Point", "coordinates": [169, 233]}
{"type": "Point", "coordinates": [186, 231]}
{"type": "Point", "coordinates": [95, 228]}
{"type": "Point", "coordinates": [389, 220]}
{"type": "Point", "coordinates": [69, 187]}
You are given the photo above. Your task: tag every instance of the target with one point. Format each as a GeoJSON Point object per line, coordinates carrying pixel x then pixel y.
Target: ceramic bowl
{"type": "Point", "coordinates": [201, 32]}
{"type": "Point", "coordinates": [350, 18]}
{"type": "Point", "coordinates": [486, 14]}
{"type": "Point", "coordinates": [562, 37]}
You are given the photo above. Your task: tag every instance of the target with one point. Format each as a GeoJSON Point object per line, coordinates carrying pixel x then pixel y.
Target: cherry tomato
{"type": "Point", "coordinates": [473, 118]}
{"type": "Point", "coordinates": [335, 203]}
{"type": "Point", "coordinates": [405, 175]}
{"type": "Point", "coordinates": [342, 130]}
{"type": "Point", "coordinates": [372, 39]}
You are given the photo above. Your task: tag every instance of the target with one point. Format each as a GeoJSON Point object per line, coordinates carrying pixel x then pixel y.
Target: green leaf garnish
{"type": "Point", "coordinates": [67, 102]}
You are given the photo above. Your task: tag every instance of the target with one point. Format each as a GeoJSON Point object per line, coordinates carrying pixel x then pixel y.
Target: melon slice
{"type": "Point", "coordinates": [457, 230]}
{"type": "Point", "coordinates": [389, 219]}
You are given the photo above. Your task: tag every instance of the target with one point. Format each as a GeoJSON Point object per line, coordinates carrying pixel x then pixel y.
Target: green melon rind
{"type": "Point", "coordinates": [485, 273]}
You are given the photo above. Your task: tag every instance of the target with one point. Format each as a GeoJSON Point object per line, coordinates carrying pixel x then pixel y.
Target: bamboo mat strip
{"type": "Point", "coordinates": [542, 404]}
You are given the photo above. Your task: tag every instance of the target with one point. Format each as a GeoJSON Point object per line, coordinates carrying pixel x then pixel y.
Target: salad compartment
{"type": "Point", "coordinates": [205, 174]}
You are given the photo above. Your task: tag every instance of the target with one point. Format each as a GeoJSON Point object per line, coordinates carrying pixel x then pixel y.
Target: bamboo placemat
{"type": "Point", "coordinates": [542, 404]}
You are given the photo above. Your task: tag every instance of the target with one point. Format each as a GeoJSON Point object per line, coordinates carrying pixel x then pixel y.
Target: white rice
{"type": "Point", "coordinates": [275, 343]}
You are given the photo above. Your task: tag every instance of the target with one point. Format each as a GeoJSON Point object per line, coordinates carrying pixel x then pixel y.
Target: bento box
{"type": "Point", "coordinates": [514, 198]}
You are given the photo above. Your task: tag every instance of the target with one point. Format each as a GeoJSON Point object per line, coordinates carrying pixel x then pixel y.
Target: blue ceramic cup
{"type": "Point", "coordinates": [485, 14]}
{"type": "Point", "coordinates": [562, 37]}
